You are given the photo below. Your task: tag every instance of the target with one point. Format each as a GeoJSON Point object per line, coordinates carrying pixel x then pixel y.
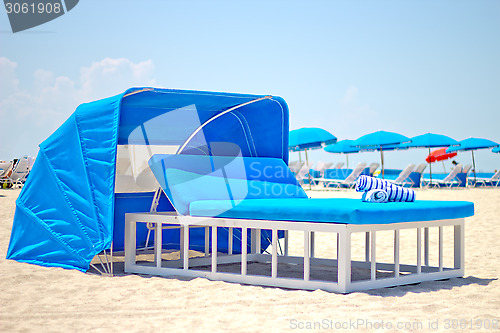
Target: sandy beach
{"type": "Point", "coordinates": [39, 299]}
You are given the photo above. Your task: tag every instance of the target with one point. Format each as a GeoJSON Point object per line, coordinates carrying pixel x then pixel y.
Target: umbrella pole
{"type": "Point", "coordinates": [444, 169]}
{"type": "Point", "coordinates": [347, 160]}
{"type": "Point", "coordinates": [308, 171]}
{"type": "Point", "coordinates": [474, 166]}
{"type": "Point", "coordinates": [382, 162]}
{"type": "Point", "coordinates": [300, 160]}
{"type": "Point", "coordinates": [430, 167]}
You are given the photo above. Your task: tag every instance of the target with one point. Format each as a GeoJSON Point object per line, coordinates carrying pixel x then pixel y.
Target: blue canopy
{"type": "Point", "coordinates": [310, 138]}
{"type": "Point", "coordinates": [472, 144]}
{"type": "Point", "coordinates": [496, 150]}
{"type": "Point", "coordinates": [342, 147]}
{"type": "Point", "coordinates": [430, 140]}
{"type": "Point", "coordinates": [380, 139]}
{"type": "Point", "coordinates": [68, 210]}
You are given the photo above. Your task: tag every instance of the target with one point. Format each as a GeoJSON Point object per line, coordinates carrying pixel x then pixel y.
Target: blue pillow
{"type": "Point", "coordinates": [249, 168]}
{"type": "Point", "coordinates": [182, 187]}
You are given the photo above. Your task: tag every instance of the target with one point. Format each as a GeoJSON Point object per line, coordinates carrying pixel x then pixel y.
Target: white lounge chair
{"type": "Point", "coordinates": [303, 173]}
{"type": "Point", "coordinates": [402, 179]}
{"type": "Point", "coordinates": [374, 166]}
{"type": "Point", "coordinates": [449, 180]}
{"type": "Point", "coordinates": [20, 170]}
{"type": "Point", "coordinates": [415, 177]}
{"type": "Point", "coordinates": [338, 165]}
{"type": "Point", "coordinates": [295, 166]}
{"type": "Point", "coordinates": [350, 181]}
{"type": "Point", "coordinates": [492, 181]}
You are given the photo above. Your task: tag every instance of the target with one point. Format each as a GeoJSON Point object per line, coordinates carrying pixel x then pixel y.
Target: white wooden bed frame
{"type": "Point", "coordinates": [186, 266]}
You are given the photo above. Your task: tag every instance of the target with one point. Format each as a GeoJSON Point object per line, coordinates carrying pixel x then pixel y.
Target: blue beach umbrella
{"type": "Point", "coordinates": [473, 144]}
{"type": "Point", "coordinates": [430, 140]}
{"type": "Point", "coordinates": [306, 138]}
{"type": "Point", "coordinates": [496, 150]}
{"type": "Point", "coordinates": [309, 138]}
{"type": "Point", "coordinates": [381, 140]}
{"type": "Point", "coordinates": [343, 147]}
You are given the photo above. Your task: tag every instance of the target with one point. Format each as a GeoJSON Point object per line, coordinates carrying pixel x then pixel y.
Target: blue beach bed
{"type": "Point", "coordinates": [226, 197]}
{"type": "Point", "coordinates": [261, 194]}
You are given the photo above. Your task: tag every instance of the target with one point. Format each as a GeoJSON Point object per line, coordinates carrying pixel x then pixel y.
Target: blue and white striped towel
{"type": "Point", "coordinates": [396, 193]}
{"type": "Point", "coordinates": [399, 193]}
{"type": "Point", "coordinates": [377, 195]}
{"type": "Point", "coordinates": [365, 183]}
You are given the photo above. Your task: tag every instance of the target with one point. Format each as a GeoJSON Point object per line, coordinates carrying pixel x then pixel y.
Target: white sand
{"type": "Point", "coordinates": [38, 299]}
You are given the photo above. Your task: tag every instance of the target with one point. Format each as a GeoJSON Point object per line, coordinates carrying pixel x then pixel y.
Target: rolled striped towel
{"type": "Point", "coordinates": [399, 193]}
{"type": "Point", "coordinates": [366, 183]}
{"type": "Point", "coordinates": [396, 193]}
{"type": "Point", "coordinates": [376, 195]}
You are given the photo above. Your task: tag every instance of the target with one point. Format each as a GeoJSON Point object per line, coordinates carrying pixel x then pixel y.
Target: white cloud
{"type": "Point", "coordinates": [9, 82]}
{"type": "Point", "coordinates": [34, 114]}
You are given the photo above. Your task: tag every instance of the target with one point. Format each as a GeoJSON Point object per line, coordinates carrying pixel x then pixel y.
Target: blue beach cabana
{"type": "Point", "coordinates": [94, 168]}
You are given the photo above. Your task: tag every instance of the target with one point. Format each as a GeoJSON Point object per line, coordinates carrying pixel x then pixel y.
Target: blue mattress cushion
{"type": "Point", "coordinates": [352, 211]}
{"type": "Point", "coordinates": [228, 179]}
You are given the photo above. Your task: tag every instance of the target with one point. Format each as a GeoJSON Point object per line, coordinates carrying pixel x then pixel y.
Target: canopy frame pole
{"type": "Point", "coordinates": [181, 148]}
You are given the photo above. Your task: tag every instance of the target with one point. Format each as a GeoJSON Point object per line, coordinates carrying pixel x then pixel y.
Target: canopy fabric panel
{"type": "Point", "coordinates": [69, 192]}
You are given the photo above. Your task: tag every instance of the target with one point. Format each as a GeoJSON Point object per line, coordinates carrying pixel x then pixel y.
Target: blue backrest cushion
{"type": "Point", "coordinates": [189, 178]}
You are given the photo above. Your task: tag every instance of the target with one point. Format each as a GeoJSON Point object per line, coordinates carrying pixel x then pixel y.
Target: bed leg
{"type": "Point", "coordinates": [130, 242]}
{"type": "Point", "coordinates": [459, 245]}
{"type": "Point", "coordinates": [396, 253]}
{"type": "Point", "coordinates": [230, 241]}
{"type": "Point", "coordinates": [158, 243]}
{"type": "Point", "coordinates": [307, 255]}
{"type": "Point", "coordinates": [274, 260]}
{"type": "Point", "coordinates": [214, 249]}
{"type": "Point", "coordinates": [185, 247]}
{"type": "Point", "coordinates": [367, 246]}
{"type": "Point", "coordinates": [286, 243]}
{"type": "Point", "coordinates": [419, 250]}
{"type": "Point", "coordinates": [440, 248]}
{"type": "Point", "coordinates": [426, 246]}
{"type": "Point", "coordinates": [244, 245]}
{"type": "Point", "coordinates": [344, 268]}
{"type": "Point", "coordinates": [312, 244]}
{"type": "Point", "coordinates": [207, 241]}
{"type": "Point", "coordinates": [373, 268]}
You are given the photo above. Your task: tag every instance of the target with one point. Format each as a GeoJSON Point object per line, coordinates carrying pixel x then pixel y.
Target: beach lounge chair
{"type": "Point", "coordinates": [303, 174]}
{"type": "Point", "coordinates": [20, 171]}
{"type": "Point", "coordinates": [492, 181]}
{"type": "Point", "coordinates": [373, 167]}
{"type": "Point", "coordinates": [402, 179]}
{"type": "Point", "coordinates": [349, 181]}
{"type": "Point", "coordinates": [212, 193]}
{"type": "Point", "coordinates": [295, 166]}
{"type": "Point", "coordinates": [449, 181]}
{"type": "Point", "coordinates": [415, 176]}
{"type": "Point", "coordinates": [338, 165]}
{"type": "Point", "coordinates": [318, 171]}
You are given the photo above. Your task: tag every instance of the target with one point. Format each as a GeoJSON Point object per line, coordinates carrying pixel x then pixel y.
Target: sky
{"type": "Point", "coordinates": [350, 67]}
